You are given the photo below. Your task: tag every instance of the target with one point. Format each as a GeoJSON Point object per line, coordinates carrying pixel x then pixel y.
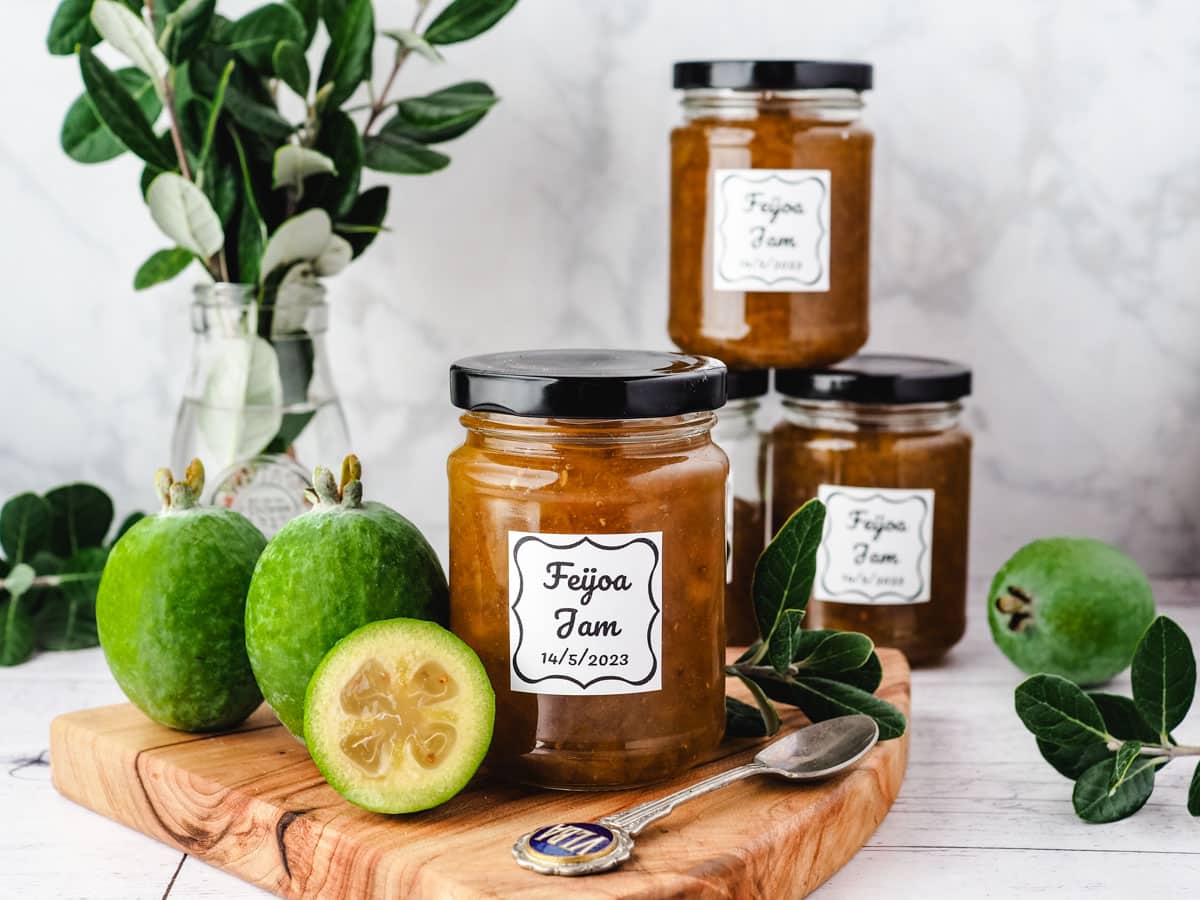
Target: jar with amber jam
{"type": "Point", "coordinates": [587, 560]}
{"type": "Point", "coordinates": [878, 440]}
{"type": "Point", "coordinates": [771, 211]}
{"type": "Point", "coordinates": [737, 433]}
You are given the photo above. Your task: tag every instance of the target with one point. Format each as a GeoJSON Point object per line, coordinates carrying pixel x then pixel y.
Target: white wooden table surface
{"type": "Point", "coordinates": [980, 814]}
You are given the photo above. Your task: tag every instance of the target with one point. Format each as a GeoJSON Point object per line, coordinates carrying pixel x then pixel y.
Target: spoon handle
{"type": "Point", "coordinates": [634, 819]}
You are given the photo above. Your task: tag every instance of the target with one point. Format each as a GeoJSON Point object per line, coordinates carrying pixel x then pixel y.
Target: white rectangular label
{"type": "Point", "coordinates": [771, 229]}
{"type": "Point", "coordinates": [585, 613]}
{"type": "Point", "coordinates": [877, 547]}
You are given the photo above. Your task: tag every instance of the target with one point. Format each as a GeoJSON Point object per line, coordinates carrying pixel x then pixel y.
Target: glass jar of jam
{"type": "Point", "coordinates": [878, 440]}
{"type": "Point", "coordinates": [737, 433]}
{"type": "Point", "coordinates": [771, 211]}
{"type": "Point", "coordinates": [587, 560]}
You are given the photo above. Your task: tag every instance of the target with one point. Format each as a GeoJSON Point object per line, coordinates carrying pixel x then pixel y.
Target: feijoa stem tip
{"type": "Point", "coordinates": [180, 495]}
{"type": "Point", "coordinates": [346, 492]}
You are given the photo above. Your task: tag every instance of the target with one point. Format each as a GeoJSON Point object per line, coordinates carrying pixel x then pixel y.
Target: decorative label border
{"type": "Point", "coordinates": [872, 599]}
{"type": "Point", "coordinates": [649, 628]}
{"type": "Point", "coordinates": [723, 242]}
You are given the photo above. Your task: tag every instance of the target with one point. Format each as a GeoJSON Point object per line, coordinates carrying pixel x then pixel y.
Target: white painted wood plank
{"type": "Point", "coordinates": [199, 881]}
{"type": "Point", "coordinates": [966, 874]}
{"type": "Point", "coordinates": [979, 815]}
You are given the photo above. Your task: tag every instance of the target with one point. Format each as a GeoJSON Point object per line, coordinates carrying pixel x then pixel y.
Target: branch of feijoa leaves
{"type": "Point", "coordinates": [824, 673]}
{"type": "Point", "coordinates": [1112, 746]}
{"type": "Point", "coordinates": [54, 552]}
{"type": "Point", "coordinates": [226, 170]}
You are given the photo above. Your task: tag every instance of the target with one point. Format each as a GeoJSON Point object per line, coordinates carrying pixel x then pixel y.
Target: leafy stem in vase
{"type": "Point", "coordinates": [824, 673]}
{"type": "Point", "coordinates": [231, 177]}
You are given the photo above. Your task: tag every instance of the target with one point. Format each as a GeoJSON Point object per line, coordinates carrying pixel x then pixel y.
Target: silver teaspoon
{"type": "Point", "coordinates": [584, 848]}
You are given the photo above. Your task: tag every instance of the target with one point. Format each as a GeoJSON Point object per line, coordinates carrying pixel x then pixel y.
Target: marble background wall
{"type": "Point", "coordinates": [1038, 215]}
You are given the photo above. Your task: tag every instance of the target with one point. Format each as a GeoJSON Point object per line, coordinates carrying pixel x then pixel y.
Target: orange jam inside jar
{"type": "Point", "coordinates": [771, 211]}
{"type": "Point", "coordinates": [587, 560]}
{"type": "Point", "coordinates": [737, 433]}
{"type": "Point", "coordinates": [878, 440]}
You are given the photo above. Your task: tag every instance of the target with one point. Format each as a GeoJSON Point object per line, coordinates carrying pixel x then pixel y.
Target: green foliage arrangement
{"type": "Point", "coordinates": [249, 194]}
{"type": "Point", "coordinates": [824, 673]}
{"type": "Point", "coordinates": [54, 552]}
{"type": "Point", "coordinates": [1112, 746]}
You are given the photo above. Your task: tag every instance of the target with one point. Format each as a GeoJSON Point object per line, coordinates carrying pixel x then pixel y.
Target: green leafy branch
{"type": "Point", "coordinates": [1112, 746]}
{"type": "Point", "coordinates": [54, 553]}
{"type": "Point", "coordinates": [824, 673]}
{"type": "Point", "coordinates": [225, 170]}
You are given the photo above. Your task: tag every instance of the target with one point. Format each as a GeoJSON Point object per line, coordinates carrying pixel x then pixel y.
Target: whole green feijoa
{"type": "Point", "coordinates": [329, 571]}
{"type": "Point", "coordinates": [170, 610]}
{"type": "Point", "coordinates": [1074, 607]}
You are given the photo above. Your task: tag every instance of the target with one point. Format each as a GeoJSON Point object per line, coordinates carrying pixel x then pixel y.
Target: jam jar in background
{"type": "Point", "coordinates": [737, 433]}
{"type": "Point", "coordinates": [587, 559]}
{"type": "Point", "coordinates": [878, 440]}
{"type": "Point", "coordinates": [771, 211]}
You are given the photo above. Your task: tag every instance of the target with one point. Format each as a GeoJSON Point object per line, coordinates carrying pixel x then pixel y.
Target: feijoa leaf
{"type": "Point", "coordinates": [291, 66]}
{"type": "Point", "coordinates": [1163, 675]}
{"type": "Point", "coordinates": [1193, 797]}
{"type": "Point", "coordinates": [255, 35]}
{"type": "Point", "coordinates": [767, 714]}
{"type": "Point", "coordinates": [1058, 711]}
{"type": "Point", "coordinates": [25, 523]}
{"type": "Point", "coordinates": [86, 139]}
{"type": "Point", "coordinates": [162, 266]}
{"type": "Point", "coordinates": [1095, 800]}
{"type": "Point", "coordinates": [68, 621]}
{"type": "Point", "coordinates": [82, 515]}
{"type": "Point", "coordinates": [71, 27]}
{"type": "Point", "coordinates": [442, 115]}
{"type": "Point", "coordinates": [824, 698]}
{"type": "Point", "coordinates": [120, 111]}
{"type": "Point", "coordinates": [743, 720]}
{"type": "Point", "coordinates": [399, 155]}
{"type": "Point", "coordinates": [465, 19]}
{"type": "Point", "coordinates": [347, 62]}
{"type": "Point", "coordinates": [365, 219]}
{"type": "Point", "coordinates": [783, 580]}
{"type": "Point", "coordinates": [1071, 762]}
{"type": "Point", "coordinates": [839, 651]}
{"type": "Point", "coordinates": [1128, 755]}
{"type": "Point", "coordinates": [16, 633]}
{"type": "Point", "coordinates": [1121, 718]}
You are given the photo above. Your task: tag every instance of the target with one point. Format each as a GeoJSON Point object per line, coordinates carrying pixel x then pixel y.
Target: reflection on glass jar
{"type": "Point", "coordinates": [587, 560]}
{"type": "Point", "coordinates": [878, 440]}
{"type": "Point", "coordinates": [771, 211]}
{"type": "Point", "coordinates": [738, 435]}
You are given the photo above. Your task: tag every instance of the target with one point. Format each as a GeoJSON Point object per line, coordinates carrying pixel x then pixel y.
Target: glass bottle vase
{"type": "Point", "coordinates": [260, 408]}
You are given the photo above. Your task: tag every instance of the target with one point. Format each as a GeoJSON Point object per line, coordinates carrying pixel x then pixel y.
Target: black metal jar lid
{"type": "Point", "coordinates": [879, 378]}
{"type": "Point", "coordinates": [588, 384]}
{"type": "Point", "coordinates": [773, 75]}
{"type": "Point", "coordinates": [746, 384]}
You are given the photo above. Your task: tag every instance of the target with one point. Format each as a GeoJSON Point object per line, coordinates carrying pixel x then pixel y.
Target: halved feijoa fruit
{"type": "Point", "coordinates": [398, 715]}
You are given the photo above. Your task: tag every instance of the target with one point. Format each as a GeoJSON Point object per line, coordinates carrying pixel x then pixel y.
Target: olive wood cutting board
{"type": "Point", "coordinates": [252, 802]}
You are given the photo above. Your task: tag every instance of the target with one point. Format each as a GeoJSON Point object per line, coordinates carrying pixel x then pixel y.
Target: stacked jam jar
{"type": "Point", "coordinates": [770, 270]}
{"type": "Point", "coordinates": [607, 507]}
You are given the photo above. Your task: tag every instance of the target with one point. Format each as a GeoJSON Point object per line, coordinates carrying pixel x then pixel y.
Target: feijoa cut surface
{"type": "Point", "coordinates": [398, 716]}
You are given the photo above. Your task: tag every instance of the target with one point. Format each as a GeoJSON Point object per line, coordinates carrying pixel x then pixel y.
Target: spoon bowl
{"type": "Point", "coordinates": [820, 750]}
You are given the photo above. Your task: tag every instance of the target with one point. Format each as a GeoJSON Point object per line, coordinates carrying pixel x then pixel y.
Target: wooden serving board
{"type": "Point", "coordinates": [252, 802]}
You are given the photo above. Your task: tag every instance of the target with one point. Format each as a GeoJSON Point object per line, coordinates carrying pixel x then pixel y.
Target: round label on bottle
{"type": "Point", "coordinates": [267, 490]}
